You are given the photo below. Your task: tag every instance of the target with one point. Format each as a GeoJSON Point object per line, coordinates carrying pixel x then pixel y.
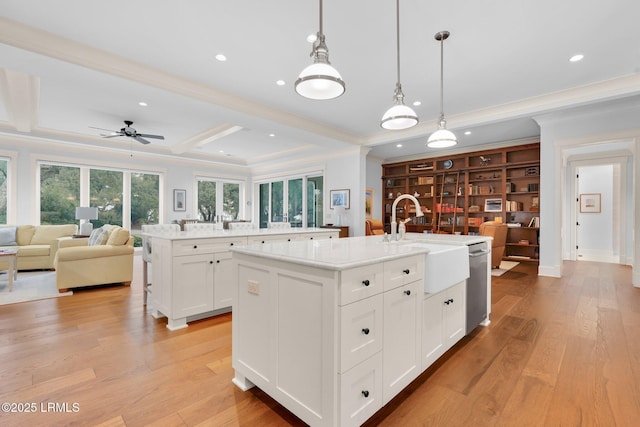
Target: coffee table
{"type": "Point", "coordinates": [10, 256]}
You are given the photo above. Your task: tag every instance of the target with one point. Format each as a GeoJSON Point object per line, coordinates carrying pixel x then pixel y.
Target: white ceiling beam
{"type": "Point", "coordinates": [21, 97]}
{"type": "Point", "coordinates": [204, 138]}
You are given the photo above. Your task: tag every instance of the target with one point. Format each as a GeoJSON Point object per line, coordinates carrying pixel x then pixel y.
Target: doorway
{"type": "Point", "coordinates": [599, 210]}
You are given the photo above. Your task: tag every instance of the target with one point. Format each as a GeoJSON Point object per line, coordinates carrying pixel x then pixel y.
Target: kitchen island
{"type": "Point", "coordinates": [334, 329]}
{"type": "Point", "coordinates": [191, 271]}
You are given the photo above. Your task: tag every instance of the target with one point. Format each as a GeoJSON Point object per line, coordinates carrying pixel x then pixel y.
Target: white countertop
{"type": "Point", "coordinates": [448, 239]}
{"type": "Point", "coordinates": [333, 254]}
{"type": "Point", "coordinates": [182, 235]}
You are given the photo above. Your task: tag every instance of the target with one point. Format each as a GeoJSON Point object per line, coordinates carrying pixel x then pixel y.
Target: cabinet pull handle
{"type": "Point", "coordinates": [210, 262]}
{"type": "Point", "coordinates": [311, 238]}
{"type": "Point", "coordinates": [366, 282]}
{"type": "Point", "coordinates": [231, 244]}
{"type": "Point", "coordinates": [218, 261]}
{"type": "Point", "coordinates": [365, 393]}
{"type": "Point", "coordinates": [406, 271]}
{"type": "Point", "coordinates": [288, 240]}
{"type": "Point", "coordinates": [263, 241]}
{"type": "Point", "coordinates": [365, 331]}
{"type": "Point", "coordinates": [451, 300]}
{"type": "Point", "coordinates": [195, 246]}
{"type": "Point", "coordinates": [407, 292]}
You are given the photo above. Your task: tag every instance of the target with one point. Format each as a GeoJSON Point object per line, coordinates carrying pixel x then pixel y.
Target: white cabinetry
{"type": "Point", "coordinates": [193, 277]}
{"type": "Point", "coordinates": [331, 346]}
{"type": "Point", "coordinates": [402, 318]}
{"type": "Point", "coordinates": [443, 322]}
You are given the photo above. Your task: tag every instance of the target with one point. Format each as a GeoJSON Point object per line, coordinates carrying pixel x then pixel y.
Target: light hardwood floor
{"type": "Point", "coordinates": [558, 352]}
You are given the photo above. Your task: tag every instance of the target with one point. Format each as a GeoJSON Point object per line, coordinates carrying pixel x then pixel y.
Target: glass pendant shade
{"type": "Point", "coordinates": [320, 81]}
{"type": "Point", "coordinates": [442, 138]}
{"type": "Point", "coordinates": [399, 117]}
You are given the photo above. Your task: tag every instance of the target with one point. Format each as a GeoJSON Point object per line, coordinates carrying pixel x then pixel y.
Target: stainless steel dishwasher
{"type": "Point", "coordinates": [477, 285]}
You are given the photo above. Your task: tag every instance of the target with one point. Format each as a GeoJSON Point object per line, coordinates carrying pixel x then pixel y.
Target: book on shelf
{"type": "Point", "coordinates": [535, 222]}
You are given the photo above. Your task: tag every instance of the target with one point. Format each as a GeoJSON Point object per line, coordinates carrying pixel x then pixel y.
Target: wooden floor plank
{"type": "Point", "coordinates": [557, 352]}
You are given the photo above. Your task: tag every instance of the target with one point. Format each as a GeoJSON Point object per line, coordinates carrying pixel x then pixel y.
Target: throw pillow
{"type": "Point", "coordinates": [97, 237]}
{"type": "Point", "coordinates": [118, 236]}
{"type": "Point", "coordinates": [8, 236]}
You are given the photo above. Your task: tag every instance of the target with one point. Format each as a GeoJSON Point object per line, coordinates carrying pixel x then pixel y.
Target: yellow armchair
{"type": "Point", "coordinates": [77, 264]}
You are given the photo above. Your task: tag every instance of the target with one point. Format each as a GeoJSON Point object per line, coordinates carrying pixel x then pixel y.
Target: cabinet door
{"type": "Point", "coordinates": [192, 285]}
{"type": "Point", "coordinates": [454, 317]}
{"type": "Point", "coordinates": [223, 281]}
{"type": "Point", "coordinates": [360, 331]}
{"type": "Point", "coordinates": [432, 328]}
{"type": "Point", "coordinates": [360, 391]}
{"type": "Point", "coordinates": [401, 351]}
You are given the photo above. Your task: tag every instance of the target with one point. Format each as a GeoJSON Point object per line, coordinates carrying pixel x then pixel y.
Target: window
{"type": "Point", "coordinates": [303, 198]}
{"type": "Point", "coordinates": [59, 194]}
{"type": "Point", "coordinates": [125, 198]}
{"type": "Point", "coordinates": [218, 200]}
{"type": "Point", "coordinates": [4, 189]}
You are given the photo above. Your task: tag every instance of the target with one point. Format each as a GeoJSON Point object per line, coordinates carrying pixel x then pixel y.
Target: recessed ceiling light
{"type": "Point", "coordinates": [142, 104]}
{"type": "Point", "coordinates": [220, 57]}
{"type": "Point", "coordinates": [272, 135]}
{"type": "Point", "coordinates": [577, 57]}
{"type": "Point", "coordinates": [417, 103]}
{"type": "Point", "coordinates": [468, 132]}
{"type": "Point", "coordinates": [221, 151]}
{"type": "Point", "coordinates": [280, 83]}
{"type": "Point", "coordinates": [399, 145]}
{"type": "Point", "coordinates": [311, 38]}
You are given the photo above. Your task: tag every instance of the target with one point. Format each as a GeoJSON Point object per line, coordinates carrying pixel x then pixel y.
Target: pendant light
{"type": "Point", "coordinates": [399, 116]}
{"type": "Point", "coordinates": [442, 138]}
{"type": "Point", "coordinates": [320, 80]}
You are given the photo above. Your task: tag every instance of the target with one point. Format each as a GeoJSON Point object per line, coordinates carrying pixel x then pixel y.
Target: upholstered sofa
{"type": "Point", "coordinates": [37, 244]}
{"type": "Point", "coordinates": [104, 258]}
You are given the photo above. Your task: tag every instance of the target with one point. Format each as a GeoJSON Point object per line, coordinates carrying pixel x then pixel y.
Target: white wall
{"type": "Point", "coordinates": [178, 174]}
{"type": "Point", "coordinates": [601, 125]}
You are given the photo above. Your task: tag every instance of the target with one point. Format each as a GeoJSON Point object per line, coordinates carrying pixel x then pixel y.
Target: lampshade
{"type": "Point", "coordinates": [442, 138]}
{"type": "Point", "coordinates": [399, 116]}
{"type": "Point", "coordinates": [86, 213]}
{"type": "Point", "coordinates": [320, 80]}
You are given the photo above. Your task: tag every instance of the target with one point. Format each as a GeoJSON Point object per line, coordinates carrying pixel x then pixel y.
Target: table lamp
{"type": "Point", "coordinates": [86, 214]}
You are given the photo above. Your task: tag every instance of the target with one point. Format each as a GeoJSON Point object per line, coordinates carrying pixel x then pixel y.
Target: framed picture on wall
{"type": "Point", "coordinates": [339, 199]}
{"type": "Point", "coordinates": [179, 200]}
{"type": "Point", "coordinates": [590, 203]}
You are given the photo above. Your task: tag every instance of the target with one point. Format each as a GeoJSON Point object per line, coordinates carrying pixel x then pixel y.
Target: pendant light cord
{"type": "Point", "coordinates": [398, 37]}
{"type": "Point", "coordinates": [321, 17]}
{"type": "Point", "coordinates": [442, 76]}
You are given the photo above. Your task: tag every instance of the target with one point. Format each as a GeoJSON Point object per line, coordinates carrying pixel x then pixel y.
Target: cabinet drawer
{"type": "Point", "coordinates": [360, 331]}
{"type": "Point", "coordinates": [206, 246]}
{"type": "Point", "coordinates": [359, 283]}
{"type": "Point", "coordinates": [252, 240]}
{"type": "Point", "coordinates": [402, 271]}
{"type": "Point", "coordinates": [361, 391]}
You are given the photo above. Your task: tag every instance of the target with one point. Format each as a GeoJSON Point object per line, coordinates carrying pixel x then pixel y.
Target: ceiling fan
{"type": "Point", "coordinates": [130, 132]}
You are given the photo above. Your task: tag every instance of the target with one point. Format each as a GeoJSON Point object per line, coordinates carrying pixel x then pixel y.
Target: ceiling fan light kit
{"type": "Point", "coordinates": [443, 137]}
{"type": "Point", "coordinates": [320, 80]}
{"type": "Point", "coordinates": [399, 116]}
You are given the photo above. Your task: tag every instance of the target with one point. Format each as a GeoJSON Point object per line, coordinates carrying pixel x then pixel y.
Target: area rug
{"type": "Point", "coordinates": [30, 286]}
{"type": "Point", "coordinates": [504, 267]}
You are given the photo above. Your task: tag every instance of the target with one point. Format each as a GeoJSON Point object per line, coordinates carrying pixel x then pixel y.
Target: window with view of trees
{"type": "Point", "coordinates": [302, 197]}
{"type": "Point", "coordinates": [4, 164]}
{"type": "Point", "coordinates": [218, 200]}
{"type": "Point", "coordinates": [62, 188]}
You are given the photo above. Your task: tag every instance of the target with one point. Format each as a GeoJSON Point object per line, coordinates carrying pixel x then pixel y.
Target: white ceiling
{"type": "Point", "coordinates": [92, 61]}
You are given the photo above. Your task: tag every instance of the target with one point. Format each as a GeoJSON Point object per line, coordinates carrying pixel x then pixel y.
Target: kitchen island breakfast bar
{"type": "Point", "coordinates": [334, 329]}
{"type": "Point", "coordinates": [191, 270]}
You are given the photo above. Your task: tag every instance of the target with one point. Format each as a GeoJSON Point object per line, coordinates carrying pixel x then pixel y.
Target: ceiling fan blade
{"type": "Point", "coordinates": [151, 136]}
{"type": "Point", "coordinates": [108, 130]}
{"type": "Point", "coordinates": [141, 140]}
{"type": "Point", "coordinates": [113, 135]}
